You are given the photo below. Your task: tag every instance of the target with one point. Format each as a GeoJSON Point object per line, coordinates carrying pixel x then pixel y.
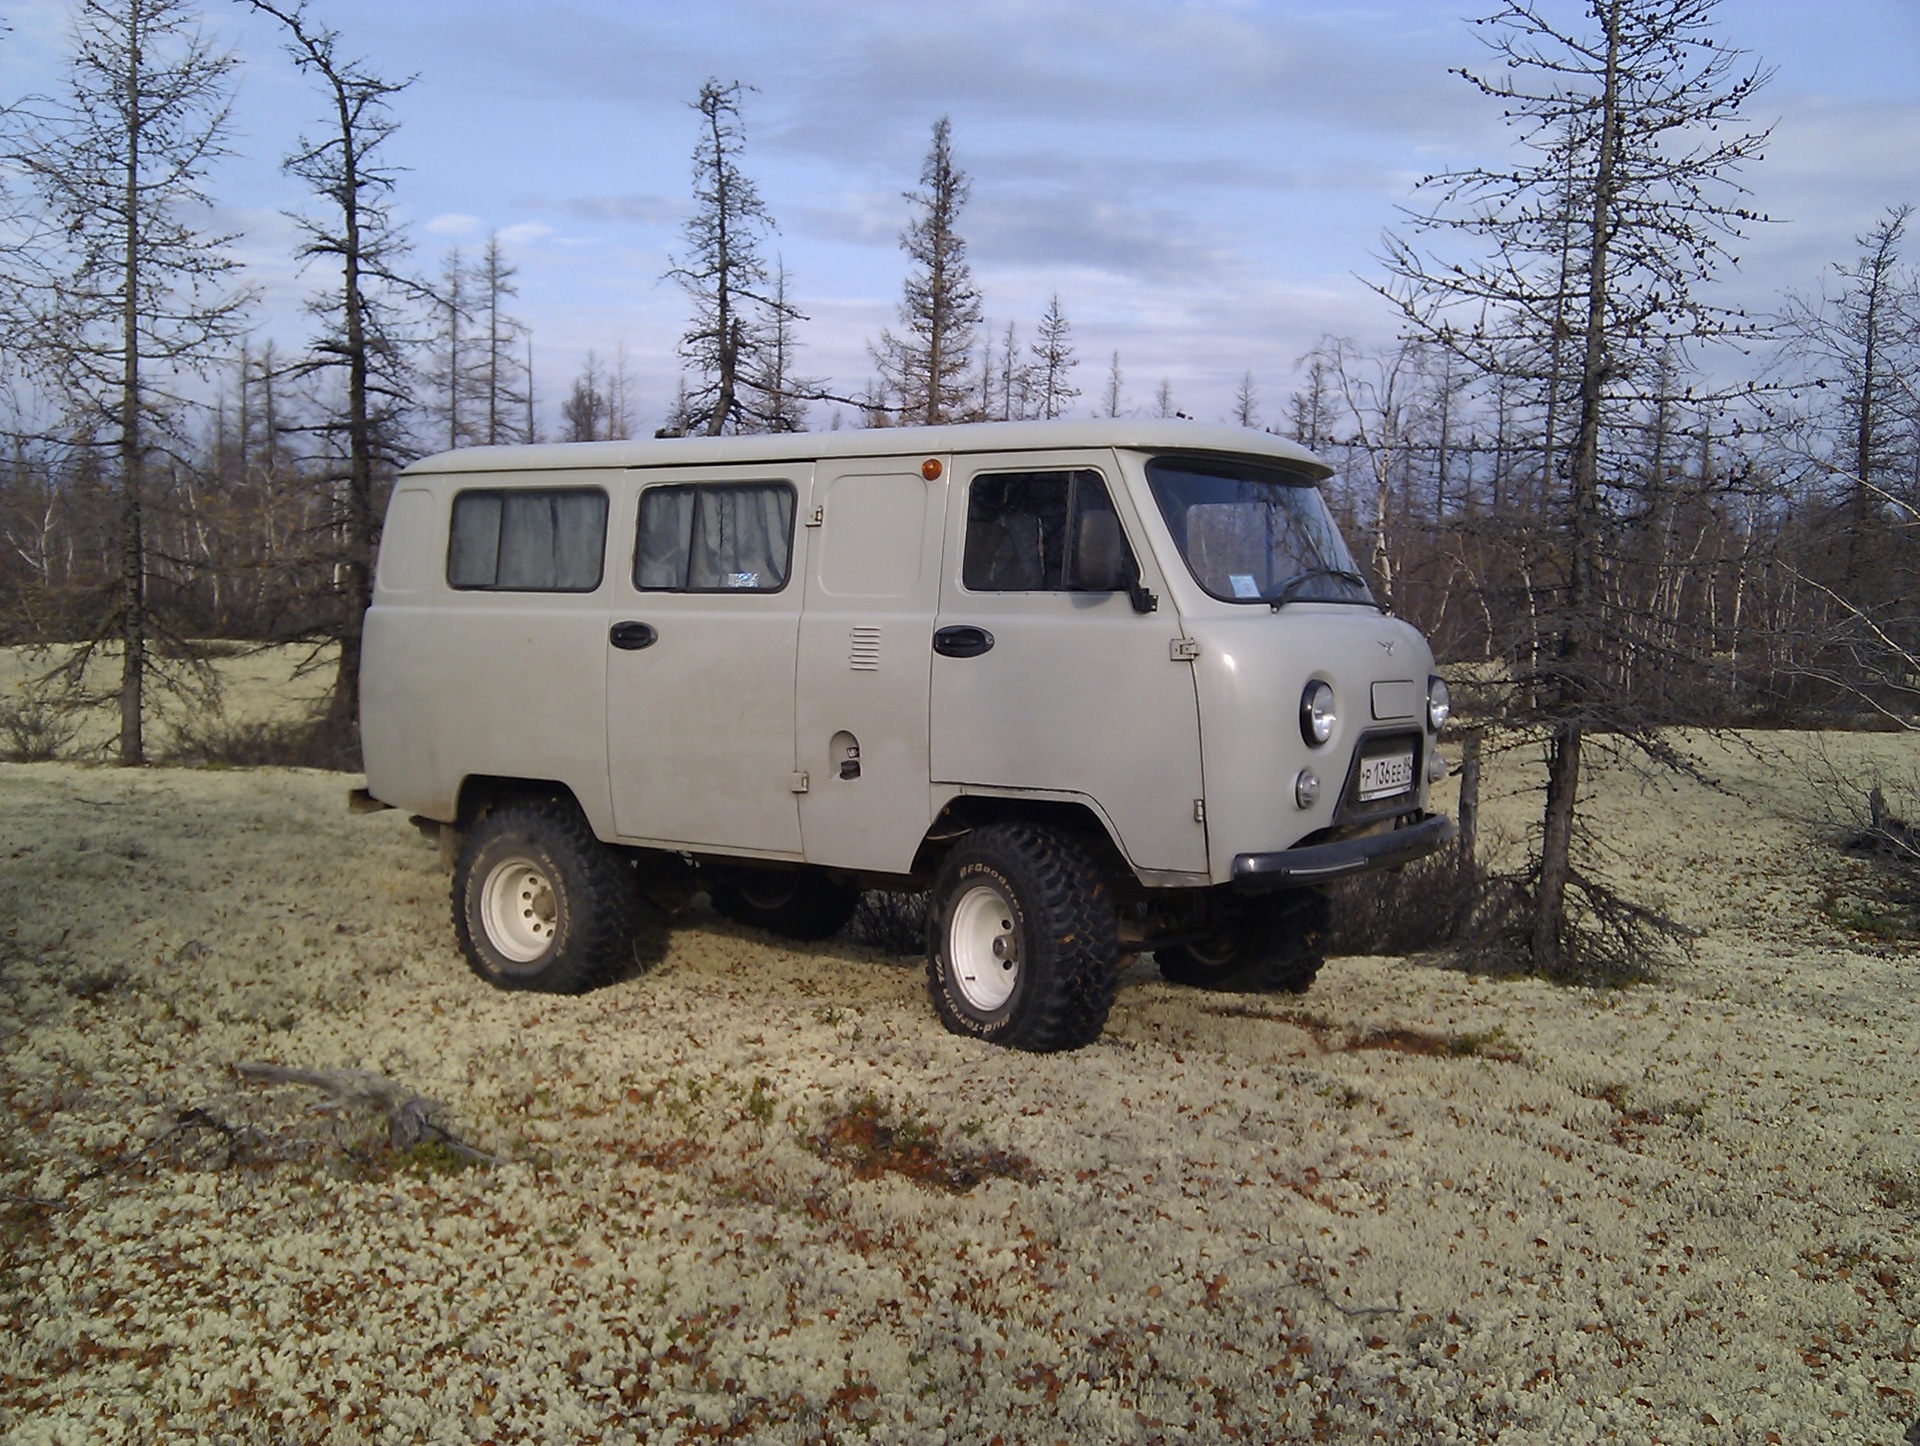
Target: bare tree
{"type": "Point", "coordinates": [725, 274]}
{"type": "Point", "coordinates": [1575, 267]}
{"type": "Point", "coordinates": [926, 368]}
{"type": "Point", "coordinates": [784, 392]}
{"type": "Point", "coordinates": [1863, 346]}
{"type": "Point", "coordinates": [506, 384]}
{"type": "Point", "coordinates": [586, 414]}
{"type": "Point", "coordinates": [1246, 402]}
{"type": "Point", "coordinates": [1856, 354]}
{"type": "Point", "coordinates": [139, 294]}
{"type": "Point", "coordinates": [359, 345]}
{"type": "Point", "coordinates": [1310, 409]}
{"type": "Point", "coordinates": [1053, 362]}
{"type": "Point", "coordinates": [1112, 400]}
{"type": "Point", "coordinates": [1015, 383]}
{"type": "Point", "coordinates": [452, 370]}
{"type": "Point", "coordinates": [1370, 393]}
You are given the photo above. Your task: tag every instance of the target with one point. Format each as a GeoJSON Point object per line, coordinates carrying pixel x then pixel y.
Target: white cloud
{"type": "Point", "coordinates": [452, 224]}
{"type": "Point", "coordinates": [524, 233]}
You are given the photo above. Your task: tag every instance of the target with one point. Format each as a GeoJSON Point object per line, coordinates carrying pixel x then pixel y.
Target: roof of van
{"type": "Point", "coordinates": [1127, 433]}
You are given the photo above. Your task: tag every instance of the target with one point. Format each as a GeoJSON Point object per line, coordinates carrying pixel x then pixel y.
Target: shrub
{"type": "Point", "coordinates": [1426, 905]}
{"type": "Point", "coordinates": [890, 923]}
{"type": "Point", "coordinates": [299, 743]}
{"type": "Point", "coordinates": [36, 726]}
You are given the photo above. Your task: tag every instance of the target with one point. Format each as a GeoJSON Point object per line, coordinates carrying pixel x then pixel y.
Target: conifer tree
{"type": "Point", "coordinates": [926, 367]}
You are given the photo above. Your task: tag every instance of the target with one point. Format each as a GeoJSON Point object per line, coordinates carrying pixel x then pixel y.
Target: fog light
{"type": "Point", "coordinates": [1436, 768]}
{"type": "Point", "coordinates": [1306, 788]}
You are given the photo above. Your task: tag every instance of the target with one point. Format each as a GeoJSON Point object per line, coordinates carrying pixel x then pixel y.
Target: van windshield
{"type": "Point", "coordinates": [1254, 532]}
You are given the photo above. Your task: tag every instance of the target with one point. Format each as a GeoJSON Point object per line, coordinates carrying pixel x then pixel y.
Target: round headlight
{"type": "Point", "coordinates": [1317, 715]}
{"type": "Point", "coordinates": [1439, 704]}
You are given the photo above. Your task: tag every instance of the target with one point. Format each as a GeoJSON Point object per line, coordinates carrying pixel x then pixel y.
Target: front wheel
{"type": "Point", "coordinates": [1021, 942]}
{"type": "Point", "coordinates": [1259, 943]}
{"type": "Point", "coordinates": [540, 903]}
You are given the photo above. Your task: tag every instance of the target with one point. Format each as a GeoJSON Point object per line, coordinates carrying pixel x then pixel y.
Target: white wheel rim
{"type": "Point", "coordinates": [984, 947]}
{"type": "Point", "coordinates": [519, 910]}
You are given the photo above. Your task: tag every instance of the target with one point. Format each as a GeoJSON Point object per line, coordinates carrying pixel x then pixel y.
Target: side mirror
{"type": "Point", "coordinates": [1099, 553]}
{"type": "Point", "coordinates": [1102, 563]}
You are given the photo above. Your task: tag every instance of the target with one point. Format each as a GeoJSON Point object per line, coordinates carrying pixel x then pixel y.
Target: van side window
{"type": "Point", "coordinates": [1022, 529]}
{"type": "Point", "coordinates": [531, 540]}
{"type": "Point", "coordinates": [714, 537]}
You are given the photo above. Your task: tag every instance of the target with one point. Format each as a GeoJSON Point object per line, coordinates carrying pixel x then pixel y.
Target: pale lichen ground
{"type": "Point", "coordinates": [1685, 1212]}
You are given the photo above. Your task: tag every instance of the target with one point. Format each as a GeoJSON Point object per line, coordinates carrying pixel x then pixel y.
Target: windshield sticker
{"type": "Point", "coordinates": [1244, 585]}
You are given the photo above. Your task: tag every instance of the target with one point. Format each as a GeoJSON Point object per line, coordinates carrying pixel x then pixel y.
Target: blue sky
{"type": "Point", "coordinates": [1203, 183]}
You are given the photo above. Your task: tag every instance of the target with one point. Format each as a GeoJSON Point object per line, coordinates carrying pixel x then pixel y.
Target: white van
{"type": "Point", "coordinates": [1102, 687]}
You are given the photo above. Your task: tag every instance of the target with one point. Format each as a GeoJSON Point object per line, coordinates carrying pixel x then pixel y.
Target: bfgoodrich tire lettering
{"type": "Point", "coordinates": [540, 903]}
{"type": "Point", "coordinates": [1260, 944]}
{"type": "Point", "coordinates": [1021, 947]}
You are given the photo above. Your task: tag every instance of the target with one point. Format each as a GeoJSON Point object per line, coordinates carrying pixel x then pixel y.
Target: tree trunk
{"type": "Point", "coordinates": [133, 552]}
{"type": "Point", "coordinates": [1556, 847]}
{"type": "Point", "coordinates": [361, 536]}
{"type": "Point", "coordinates": [1469, 810]}
{"type": "Point", "coordinates": [1570, 661]}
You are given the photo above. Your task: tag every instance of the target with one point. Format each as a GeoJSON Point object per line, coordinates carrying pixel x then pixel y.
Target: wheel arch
{"type": "Point", "coordinates": [1075, 817]}
{"type": "Point", "coordinates": [479, 793]}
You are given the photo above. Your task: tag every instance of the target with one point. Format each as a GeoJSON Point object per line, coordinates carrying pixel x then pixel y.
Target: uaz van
{"type": "Point", "coordinates": [1102, 688]}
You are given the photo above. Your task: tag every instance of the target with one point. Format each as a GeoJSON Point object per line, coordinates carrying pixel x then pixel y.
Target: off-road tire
{"type": "Point", "coordinates": [539, 903]}
{"type": "Point", "coordinates": [1261, 944]}
{"type": "Point", "coordinates": [1029, 905]}
{"type": "Point", "coordinates": [801, 904]}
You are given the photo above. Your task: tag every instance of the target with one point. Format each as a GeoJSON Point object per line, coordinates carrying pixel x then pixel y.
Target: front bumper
{"type": "Point", "coordinates": [1317, 863]}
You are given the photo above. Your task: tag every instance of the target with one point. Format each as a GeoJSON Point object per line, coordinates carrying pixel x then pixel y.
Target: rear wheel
{"type": "Point", "coordinates": [1260, 943]}
{"type": "Point", "coordinates": [801, 904]}
{"type": "Point", "coordinates": [539, 902]}
{"type": "Point", "coordinates": [1021, 947]}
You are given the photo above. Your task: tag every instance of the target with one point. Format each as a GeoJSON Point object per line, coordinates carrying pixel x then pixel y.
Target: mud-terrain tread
{"type": "Point", "coordinates": [604, 906]}
{"type": "Point", "coordinates": [818, 908]}
{"type": "Point", "coordinates": [1282, 949]}
{"type": "Point", "coordinates": [1071, 960]}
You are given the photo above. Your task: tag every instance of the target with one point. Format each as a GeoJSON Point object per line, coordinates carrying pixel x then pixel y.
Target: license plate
{"type": "Point", "coordinates": [1386, 774]}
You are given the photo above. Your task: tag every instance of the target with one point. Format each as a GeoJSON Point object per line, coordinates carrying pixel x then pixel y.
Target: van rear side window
{"type": "Point", "coordinates": [714, 537]}
{"type": "Point", "coordinates": [532, 540]}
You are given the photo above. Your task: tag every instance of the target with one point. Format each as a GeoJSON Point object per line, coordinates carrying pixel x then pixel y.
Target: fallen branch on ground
{"type": "Point", "coordinates": [410, 1117]}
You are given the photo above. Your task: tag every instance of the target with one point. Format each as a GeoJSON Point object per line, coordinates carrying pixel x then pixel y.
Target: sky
{"type": "Point", "coordinates": [1204, 184]}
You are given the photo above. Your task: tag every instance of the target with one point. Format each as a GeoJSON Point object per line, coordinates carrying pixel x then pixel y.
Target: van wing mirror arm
{"type": "Point", "coordinates": [1137, 594]}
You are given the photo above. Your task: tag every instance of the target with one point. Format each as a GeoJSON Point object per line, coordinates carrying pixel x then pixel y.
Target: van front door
{"type": "Point", "coordinates": [1042, 686]}
{"type": "Point", "coordinates": [700, 661]}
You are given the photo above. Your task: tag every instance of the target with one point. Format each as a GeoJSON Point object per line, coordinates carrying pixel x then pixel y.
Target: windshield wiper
{"type": "Point", "coordinates": [1291, 588]}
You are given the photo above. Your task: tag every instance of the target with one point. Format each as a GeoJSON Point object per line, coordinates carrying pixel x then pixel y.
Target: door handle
{"type": "Point", "coordinates": [964, 641]}
{"type": "Point", "coordinates": [632, 636]}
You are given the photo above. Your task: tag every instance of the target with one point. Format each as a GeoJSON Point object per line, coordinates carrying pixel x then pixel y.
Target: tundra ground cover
{"type": "Point", "coordinates": [756, 1193]}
